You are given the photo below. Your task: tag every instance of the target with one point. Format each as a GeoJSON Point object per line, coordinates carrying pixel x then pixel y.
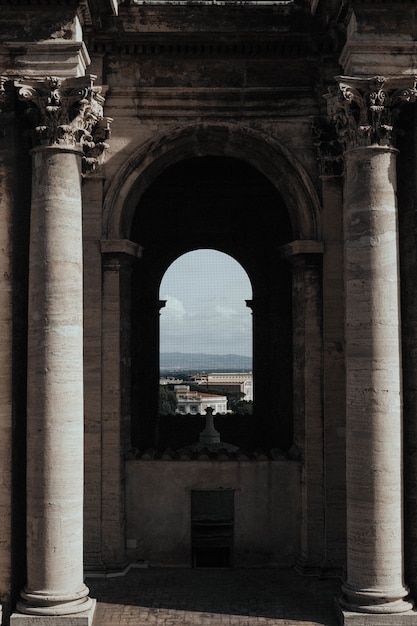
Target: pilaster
{"type": "Point", "coordinates": [118, 257]}
{"type": "Point", "coordinates": [331, 164]}
{"type": "Point", "coordinates": [8, 447]}
{"type": "Point", "coordinates": [364, 112]}
{"type": "Point", "coordinates": [306, 261]}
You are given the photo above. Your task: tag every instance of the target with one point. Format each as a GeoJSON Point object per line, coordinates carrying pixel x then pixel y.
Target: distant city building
{"type": "Point", "coordinates": [197, 402]}
{"type": "Point", "coordinates": [170, 380]}
{"type": "Point", "coordinates": [228, 382]}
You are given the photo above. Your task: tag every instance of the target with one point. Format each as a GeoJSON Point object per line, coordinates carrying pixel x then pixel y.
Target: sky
{"type": "Point", "coordinates": [206, 310]}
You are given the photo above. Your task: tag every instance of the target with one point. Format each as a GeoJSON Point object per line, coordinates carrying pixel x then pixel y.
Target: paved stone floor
{"type": "Point", "coordinates": [213, 597]}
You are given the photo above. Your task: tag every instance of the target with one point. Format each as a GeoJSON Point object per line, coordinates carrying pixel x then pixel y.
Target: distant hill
{"type": "Point", "coordinates": [204, 362]}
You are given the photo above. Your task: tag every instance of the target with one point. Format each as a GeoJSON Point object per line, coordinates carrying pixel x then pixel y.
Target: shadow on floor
{"type": "Point", "coordinates": [168, 596]}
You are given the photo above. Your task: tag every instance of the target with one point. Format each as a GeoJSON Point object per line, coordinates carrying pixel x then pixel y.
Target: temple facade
{"type": "Point", "coordinates": [284, 134]}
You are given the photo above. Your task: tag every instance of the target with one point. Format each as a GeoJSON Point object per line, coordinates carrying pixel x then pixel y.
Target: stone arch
{"type": "Point", "coordinates": [264, 153]}
{"type": "Point", "coordinates": [121, 269]}
{"type": "Point", "coordinates": [213, 202]}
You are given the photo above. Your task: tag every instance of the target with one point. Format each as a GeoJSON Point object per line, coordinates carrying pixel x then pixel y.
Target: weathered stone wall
{"type": "Point", "coordinates": [266, 509]}
{"type": "Point", "coordinates": [203, 81]}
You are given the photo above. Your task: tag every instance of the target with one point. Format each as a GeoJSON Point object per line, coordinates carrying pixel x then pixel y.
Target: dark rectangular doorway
{"type": "Point", "coordinates": [212, 523]}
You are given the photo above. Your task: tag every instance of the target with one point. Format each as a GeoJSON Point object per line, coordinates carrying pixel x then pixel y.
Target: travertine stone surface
{"type": "Point", "coordinates": [373, 379]}
{"type": "Point", "coordinates": [55, 389]}
{"type": "Point", "coordinates": [333, 373]}
{"type": "Point", "coordinates": [306, 259]}
{"type": "Point", "coordinates": [365, 112]}
{"type": "Point", "coordinates": [62, 58]}
{"type": "Point", "coordinates": [70, 130]}
{"type": "Point", "coordinates": [117, 259]}
{"type": "Point", "coordinates": [6, 348]}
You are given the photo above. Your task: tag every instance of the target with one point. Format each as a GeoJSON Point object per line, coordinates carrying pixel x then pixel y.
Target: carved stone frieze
{"type": "Point", "coordinates": [68, 113]}
{"type": "Point", "coordinates": [364, 110]}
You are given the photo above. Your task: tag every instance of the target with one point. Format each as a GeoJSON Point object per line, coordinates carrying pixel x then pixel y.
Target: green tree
{"type": "Point", "coordinates": [167, 400]}
{"type": "Point", "coordinates": [244, 407]}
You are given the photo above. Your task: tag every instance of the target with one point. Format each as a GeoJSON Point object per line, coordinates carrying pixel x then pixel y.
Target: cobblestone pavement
{"type": "Point", "coordinates": [213, 597]}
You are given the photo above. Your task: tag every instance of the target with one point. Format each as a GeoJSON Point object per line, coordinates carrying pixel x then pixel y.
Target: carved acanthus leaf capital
{"type": "Point", "coordinates": [69, 113]}
{"type": "Point", "coordinates": [3, 81]}
{"type": "Point", "coordinates": [364, 110]}
{"type": "Point", "coordinates": [329, 151]}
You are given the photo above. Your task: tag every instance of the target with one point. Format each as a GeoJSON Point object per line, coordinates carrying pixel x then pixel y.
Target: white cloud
{"type": "Point", "coordinates": [225, 311]}
{"type": "Point", "coordinates": [208, 311]}
{"type": "Point", "coordinates": [173, 307]}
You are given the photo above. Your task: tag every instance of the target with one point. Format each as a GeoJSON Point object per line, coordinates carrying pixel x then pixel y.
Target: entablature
{"type": "Point", "coordinates": [207, 17]}
{"type": "Point", "coordinates": [258, 103]}
{"type": "Point", "coordinates": [380, 37]}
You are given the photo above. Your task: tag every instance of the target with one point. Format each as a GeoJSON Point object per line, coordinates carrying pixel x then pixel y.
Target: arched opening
{"type": "Point", "coordinates": [224, 204]}
{"type": "Point", "coordinates": [205, 351]}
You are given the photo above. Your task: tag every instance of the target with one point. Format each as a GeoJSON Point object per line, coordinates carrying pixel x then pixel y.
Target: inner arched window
{"type": "Point", "coordinates": [205, 335]}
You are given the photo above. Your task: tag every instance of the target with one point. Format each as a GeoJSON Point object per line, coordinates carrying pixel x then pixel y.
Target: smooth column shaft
{"type": "Point", "coordinates": [373, 378]}
{"type": "Point", "coordinates": [55, 389]}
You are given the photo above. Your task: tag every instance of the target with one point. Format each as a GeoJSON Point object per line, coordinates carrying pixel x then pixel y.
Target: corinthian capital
{"type": "Point", "coordinates": [67, 112]}
{"type": "Point", "coordinates": [3, 81]}
{"type": "Point", "coordinates": [364, 110]}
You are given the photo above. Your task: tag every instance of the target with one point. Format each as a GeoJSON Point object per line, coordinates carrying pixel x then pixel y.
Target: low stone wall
{"type": "Point", "coordinates": [266, 509]}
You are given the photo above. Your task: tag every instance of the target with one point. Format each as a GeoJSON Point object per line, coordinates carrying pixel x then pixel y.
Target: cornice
{"type": "Point", "coordinates": [354, 3]}
{"type": "Point", "coordinates": [210, 29]}
{"type": "Point", "coordinates": [103, 6]}
{"type": "Point", "coordinates": [45, 3]}
{"type": "Point", "coordinates": [240, 3]}
{"type": "Point", "coordinates": [213, 16]}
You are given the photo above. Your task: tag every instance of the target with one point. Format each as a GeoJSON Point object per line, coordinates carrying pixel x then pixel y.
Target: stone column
{"type": "Point", "coordinates": [306, 260]}
{"type": "Point", "coordinates": [66, 115]}
{"type": "Point", "coordinates": [364, 112]}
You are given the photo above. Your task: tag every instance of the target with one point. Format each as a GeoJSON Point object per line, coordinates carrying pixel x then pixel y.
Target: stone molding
{"type": "Point", "coordinates": [121, 246]}
{"type": "Point", "coordinates": [364, 110]}
{"type": "Point", "coordinates": [37, 60]}
{"type": "Point", "coordinates": [67, 113]}
{"type": "Point", "coordinates": [302, 246]}
{"type": "Point", "coordinates": [365, 57]}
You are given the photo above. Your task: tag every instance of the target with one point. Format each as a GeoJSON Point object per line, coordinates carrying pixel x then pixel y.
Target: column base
{"type": "Point", "coordinates": [76, 619]}
{"type": "Point", "coordinates": [350, 618]}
